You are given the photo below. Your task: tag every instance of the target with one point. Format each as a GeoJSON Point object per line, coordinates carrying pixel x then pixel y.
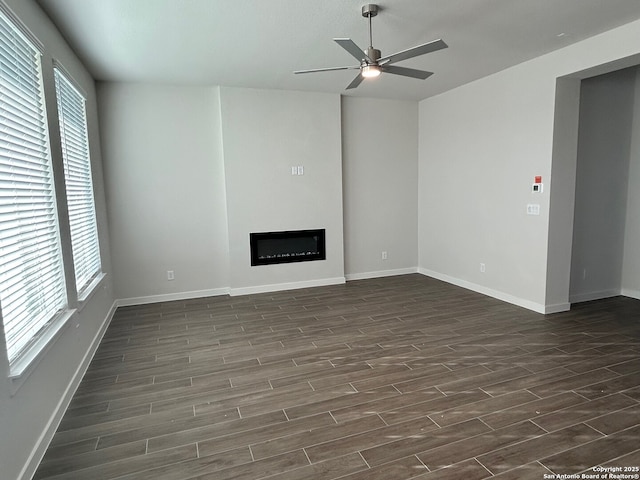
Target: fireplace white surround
{"type": "Point", "coordinates": [262, 193]}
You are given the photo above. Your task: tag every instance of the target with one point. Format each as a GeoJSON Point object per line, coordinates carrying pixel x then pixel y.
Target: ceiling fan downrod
{"type": "Point", "coordinates": [369, 11]}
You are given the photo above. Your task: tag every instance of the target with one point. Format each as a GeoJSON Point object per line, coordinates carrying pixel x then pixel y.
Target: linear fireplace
{"type": "Point", "coordinates": [285, 247]}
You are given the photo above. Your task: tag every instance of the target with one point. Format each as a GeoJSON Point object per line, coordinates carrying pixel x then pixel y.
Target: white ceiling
{"type": "Point", "coordinates": [258, 43]}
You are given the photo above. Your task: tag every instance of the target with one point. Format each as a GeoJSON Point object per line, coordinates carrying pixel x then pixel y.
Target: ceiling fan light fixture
{"type": "Point", "coordinates": [370, 71]}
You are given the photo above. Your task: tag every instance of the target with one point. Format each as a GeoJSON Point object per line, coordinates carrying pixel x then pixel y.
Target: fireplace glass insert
{"type": "Point", "coordinates": [285, 247]}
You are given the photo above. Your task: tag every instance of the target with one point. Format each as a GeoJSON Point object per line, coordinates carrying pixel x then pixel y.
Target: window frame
{"type": "Point", "coordinates": [73, 127]}
{"type": "Point", "coordinates": [21, 55]}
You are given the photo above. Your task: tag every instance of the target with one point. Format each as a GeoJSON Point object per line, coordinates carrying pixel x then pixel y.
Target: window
{"type": "Point", "coordinates": [77, 177]}
{"type": "Point", "coordinates": [32, 285]}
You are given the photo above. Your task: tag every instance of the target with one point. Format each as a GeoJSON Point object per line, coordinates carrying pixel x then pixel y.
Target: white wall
{"type": "Point", "coordinates": [604, 138]}
{"type": "Point", "coordinates": [631, 259]}
{"type": "Point", "coordinates": [30, 414]}
{"type": "Point", "coordinates": [165, 190]}
{"type": "Point", "coordinates": [480, 147]}
{"type": "Point", "coordinates": [380, 177]}
{"type": "Point", "coordinates": [265, 133]}
{"type": "Point", "coordinates": [191, 171]}
{"type": "Point", "coordinates": [562, 195]}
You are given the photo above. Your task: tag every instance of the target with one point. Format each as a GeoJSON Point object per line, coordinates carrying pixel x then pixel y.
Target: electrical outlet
{"type": "Point", "coordinates": [170, 275]}
{"type": "Point", "coordinates": [482, 268]}
{"type": "Point", "coordinates": [384, 255]}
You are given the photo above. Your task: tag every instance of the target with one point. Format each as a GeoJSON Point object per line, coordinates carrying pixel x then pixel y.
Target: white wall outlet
{"type": "Point", "coordinates": [294, 170]}
{"type": "Point", "coordinates": [170, 275]}
{"type": "Point", "coordinates": [384, 255]}
{"type": "Point", "coordinates": [482, 268]}
{"type": "Point", "coordinates": [300, 170]}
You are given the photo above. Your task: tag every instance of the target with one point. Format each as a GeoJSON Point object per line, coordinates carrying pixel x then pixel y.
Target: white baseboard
{"type": "Point", "coordinates": [505, 297]}
{"type": "Point", "coordinates": [628, 292]}
{"type": "Point", "coordinates": [381, 273]}
{"type": "Point", "coordinates": [277, 287]}
{"type": "Point", "coordinates": [170, 297]}
{"type": "Point", "coordinates": [557, 308]}
{"type": "Point", "coordinates": [49, 431]}
{"type": "Point", "coordinates": [589, 296]}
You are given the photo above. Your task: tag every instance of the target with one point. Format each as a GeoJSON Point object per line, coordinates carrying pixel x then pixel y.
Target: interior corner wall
{"type": "Point", "coordinates": [380, 175]}
{"type": "Point", "coordinates": [265, 134]}
{"type": "Point", "coordinates": [631, 258]}
{"type": "Point", "coordinates": [605, 127]}
{"type": "Point", "coordinates": [32, 407]}
{"type": "Point", "coordinates": [165, 190]}
{"type": "Point", "coordinates": [480, 147]}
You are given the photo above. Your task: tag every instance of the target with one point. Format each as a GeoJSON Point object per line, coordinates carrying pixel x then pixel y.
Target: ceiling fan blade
{"type": "Point", "coordinates": [355, 82]}
{"type": "Point", "coordinates": [352, 48]}
{"type": "Point", "coordinates": [413, 52]}
{"type": "Point", "coordinates": [328, 69]}
{"type": "Point", "coordinates": [406, 72]}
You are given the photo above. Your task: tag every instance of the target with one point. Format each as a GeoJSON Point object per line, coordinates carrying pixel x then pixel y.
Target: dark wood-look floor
{"type": "Point", "coordinates": [393, 378]}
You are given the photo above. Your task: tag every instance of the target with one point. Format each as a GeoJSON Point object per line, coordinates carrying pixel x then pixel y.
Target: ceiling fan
{"type": "Point", "coordinates": [372, 64]}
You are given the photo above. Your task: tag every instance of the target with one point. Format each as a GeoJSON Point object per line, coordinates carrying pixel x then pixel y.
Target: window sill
{"type": "Point", "coordinates": [91, 289]}
{"type": "Point", "coordinates": [25, 364]}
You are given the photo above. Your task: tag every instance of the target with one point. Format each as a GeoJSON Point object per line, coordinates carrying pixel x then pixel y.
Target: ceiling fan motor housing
{"type": "Point", "coordinates": [373, 54]}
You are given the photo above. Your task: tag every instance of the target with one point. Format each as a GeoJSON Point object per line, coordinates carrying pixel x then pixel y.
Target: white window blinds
{"type": "Point", "coordinates": [79, 186]}
{"type": "Point", "coordinates": [32, 287]}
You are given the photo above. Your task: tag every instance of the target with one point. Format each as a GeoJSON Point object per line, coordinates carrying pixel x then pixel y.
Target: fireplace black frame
{"type": "Point", "coordinates": [281, 255]}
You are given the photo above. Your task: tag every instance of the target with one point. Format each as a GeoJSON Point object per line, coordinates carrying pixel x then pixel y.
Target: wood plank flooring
{"type": "Point", "coordinates": [393, 378]}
